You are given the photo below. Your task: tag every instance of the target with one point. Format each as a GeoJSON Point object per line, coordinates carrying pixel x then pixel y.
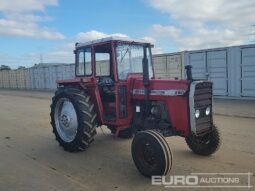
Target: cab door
{"type": "Point", "coordinates": [104, 75]}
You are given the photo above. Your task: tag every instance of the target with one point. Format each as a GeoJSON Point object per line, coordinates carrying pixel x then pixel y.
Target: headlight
{"type": "Point", "coordinates": [197, 113]}
{"type": "Point", "coordinates": [208, 110]}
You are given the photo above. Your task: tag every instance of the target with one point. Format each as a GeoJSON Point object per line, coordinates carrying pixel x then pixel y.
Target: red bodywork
{"type": "Point", "coordinates": [177, 105]}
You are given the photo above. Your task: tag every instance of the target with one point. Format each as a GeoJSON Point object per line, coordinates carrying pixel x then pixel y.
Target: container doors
{"type": "Point", "coordinates": [198, 62]}
{"type": "Point", "coordinates": [160, 66]}
{"type": "Point", "coordinates": [248, 72]}
{"type": "Point", "coordinates": [174, 66]}
{"type": "Point", "coordinates": [217, 71]}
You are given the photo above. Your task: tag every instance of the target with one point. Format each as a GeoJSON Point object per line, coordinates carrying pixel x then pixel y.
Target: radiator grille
{"type": "Point", "coordinates": [203, 99]}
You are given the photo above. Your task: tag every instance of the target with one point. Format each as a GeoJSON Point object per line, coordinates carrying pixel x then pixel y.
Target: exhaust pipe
{"type": "Point", "coordinates": [189, 72]}
{"type": "Point", "coordinates": [146, 78]}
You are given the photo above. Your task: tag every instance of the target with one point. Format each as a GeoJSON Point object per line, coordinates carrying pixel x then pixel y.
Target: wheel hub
{"type": "Point", "coordinates": [148, 155]}
{"type": "Point", "coordinates": [66, 120]}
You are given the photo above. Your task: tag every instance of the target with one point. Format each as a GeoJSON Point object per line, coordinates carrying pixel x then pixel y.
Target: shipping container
{"type": "Point", "coordinates": [21, 78]}
{"type": "Point", "coordinates": [210, 65]}
{"type": "Point", "coordinates": [248, 71]}
{"type": "Point", "coordinates": [169, 65]}
{"type": "Point", "coordinates": [174, 66]}
{"type": "Point", "coordinates": [232, 69]}
{"type": "Point", "coordinates": [69, 72]}
{"type": "Point", "coordinates": [47, 78]}
{"type": "Point", "coordinates": [30, 80]}
{"type": "Point", "coordinates": [13, 79]}
{"type": "Point", "coordinates": [1, 79]}
{"type": "Point", "coordinates": [6, 80]}
{"type": "Point", "coordinates": [159, 62]}
{"type": "Point", "coordinates": [217, 71]}
{"type": "Point", "coordinates": [26, 77]}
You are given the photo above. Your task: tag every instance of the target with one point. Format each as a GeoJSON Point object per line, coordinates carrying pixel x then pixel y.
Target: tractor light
{"type": "Point", "coordinates": [208, 110]}
{"type": "Point", "coordinates": [197, 113]}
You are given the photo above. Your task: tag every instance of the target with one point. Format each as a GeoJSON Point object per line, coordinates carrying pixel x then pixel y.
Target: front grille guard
{"type": "Point", "coordinates": [200, 96]}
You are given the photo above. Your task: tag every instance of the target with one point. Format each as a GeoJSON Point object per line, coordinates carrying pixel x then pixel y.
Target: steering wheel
{"type": "Point", "coordinates": [105, 81]}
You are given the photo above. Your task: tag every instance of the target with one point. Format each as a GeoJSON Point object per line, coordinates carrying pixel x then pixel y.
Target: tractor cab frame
{"type": "Point", "coordinates": [107, 68]}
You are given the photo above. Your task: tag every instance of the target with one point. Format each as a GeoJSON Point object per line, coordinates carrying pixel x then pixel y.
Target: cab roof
{"type": "Point", "coordinates": [112, 38]}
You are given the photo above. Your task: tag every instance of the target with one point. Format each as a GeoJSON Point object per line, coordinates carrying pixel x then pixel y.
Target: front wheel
{"type": "Point", "coordinates": [206, 144]}
{"type": "Point", "coordinates": [151, 153]}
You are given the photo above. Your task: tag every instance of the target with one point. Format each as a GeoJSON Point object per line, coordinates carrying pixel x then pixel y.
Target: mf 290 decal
{"type": "Point", "coordinates": [161, 92]}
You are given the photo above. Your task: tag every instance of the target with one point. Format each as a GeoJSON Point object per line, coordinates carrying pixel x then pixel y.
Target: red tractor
{"type": "Point", "coordinates": [115, 86]}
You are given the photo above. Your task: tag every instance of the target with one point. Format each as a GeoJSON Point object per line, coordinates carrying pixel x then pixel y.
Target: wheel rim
{"type": "Point", "coordinates": [66, 120]}
{"type": "Point", "coordinates": [146, 155]}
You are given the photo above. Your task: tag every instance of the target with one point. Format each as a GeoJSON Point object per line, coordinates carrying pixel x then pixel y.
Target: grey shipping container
{"type": "Point", "coordinates": [169, 65]}
{"type": "Point", "coordinates": [13, 79]}
{"type": "Point", "coordinates": [1, 79]}
{"type": "Point", "coordinates": [160, 66]}
{"type": "Point", "coordinates": [211, 65]}
{"type": "Point", "coordinates": [248, 72]}
{"type": "Point", "coordinates": [6, 80]}
{"type": "Point", "coordinates": [21, 78]}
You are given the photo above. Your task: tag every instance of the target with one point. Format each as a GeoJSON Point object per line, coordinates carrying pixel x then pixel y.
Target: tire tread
{"type": "Point", "coordinates": [86, 114]}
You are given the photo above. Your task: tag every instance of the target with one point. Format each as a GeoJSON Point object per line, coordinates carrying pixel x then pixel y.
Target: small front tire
{"type": "Point", "coordinates": [206, 144]}
{"type": "Point", "coordinates": [151, 153]}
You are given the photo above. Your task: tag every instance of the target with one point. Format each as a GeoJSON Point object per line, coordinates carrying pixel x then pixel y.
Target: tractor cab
{"type": "Point", "coordinates": [111, 63]}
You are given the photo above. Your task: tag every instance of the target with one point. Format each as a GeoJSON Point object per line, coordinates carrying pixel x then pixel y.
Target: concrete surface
{"type": "Point", "coordinates": [30, 158]}
{"type": "Point", "coordinates": [234, 107]}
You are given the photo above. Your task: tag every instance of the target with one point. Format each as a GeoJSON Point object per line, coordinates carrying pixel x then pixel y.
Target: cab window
{"type": "Point", "coordinates": [102, 61]}
{"type": "Point", "coordinates": [84, 65]}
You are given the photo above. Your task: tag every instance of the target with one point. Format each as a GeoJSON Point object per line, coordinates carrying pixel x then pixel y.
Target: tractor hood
{"type": "Point", "coordinates": [161, 87]}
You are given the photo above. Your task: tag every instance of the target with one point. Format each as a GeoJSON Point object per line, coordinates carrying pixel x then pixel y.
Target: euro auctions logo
{"type": "Point", "coordinates": [212, 180]}
{"type": "Point", "coordinates": [175, 180]}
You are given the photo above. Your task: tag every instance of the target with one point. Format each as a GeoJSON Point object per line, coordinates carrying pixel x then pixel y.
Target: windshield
{"type": "Point", "coordinates": [130, 60]}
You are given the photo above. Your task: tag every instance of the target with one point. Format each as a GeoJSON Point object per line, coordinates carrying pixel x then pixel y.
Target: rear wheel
{"type": "Point", "coordinates": [151, 153]}
{"type": "Point", "coordinates": [206, 144]}
{"type": "Point", "coordinates": [73, 119]}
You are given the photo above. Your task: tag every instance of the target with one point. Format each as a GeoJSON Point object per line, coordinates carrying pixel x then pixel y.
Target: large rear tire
{"type": "Point", "coordinates": [151, 153]}
{"type": "Point", "coordinates": [73, 119]}
{"type": "Point", "coordinates": [206, 144]}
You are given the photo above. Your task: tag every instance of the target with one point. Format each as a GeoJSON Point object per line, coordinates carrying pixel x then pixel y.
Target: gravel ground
{"type": "Point", "coordinates": [30, 158]}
